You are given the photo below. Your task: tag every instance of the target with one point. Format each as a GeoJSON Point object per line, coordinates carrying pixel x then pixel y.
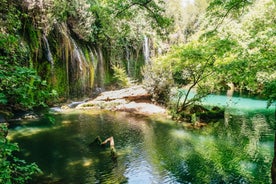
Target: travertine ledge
{"type": "Point", "coordinates": [133, 99]}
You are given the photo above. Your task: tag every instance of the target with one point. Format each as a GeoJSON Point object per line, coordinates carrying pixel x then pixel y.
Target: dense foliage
{"type": "Point", "coordinates": [67, 43]}
{"type": "Point", "coordinates": [251, 65]}
{"type": "Point", "coordinates": [231, 47]}
{"type": "Point", "coordinates": [20, 87]}
{"type": "Point", "coordinates": [12, 169]}
{"type": "Point", "coordinates": [158, 81]}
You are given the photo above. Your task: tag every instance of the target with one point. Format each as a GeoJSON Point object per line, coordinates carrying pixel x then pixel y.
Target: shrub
{"type": "Point", "coordinates": [12, 169]}
{"type": "Point", "coordinates": [158, 81]}
{"type": "Point", "coordinates": [121, 76]}
{"type": "Point", "coordinates": [21, 87]}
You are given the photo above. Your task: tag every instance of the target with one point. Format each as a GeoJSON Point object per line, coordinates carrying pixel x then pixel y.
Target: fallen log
{"type": "Point", "coordinates": [111, 142]}
{"type": "Point", "coordinates": [112, 146]}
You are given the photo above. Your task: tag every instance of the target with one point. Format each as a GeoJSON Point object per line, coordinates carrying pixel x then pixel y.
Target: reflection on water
{"type": "Point", "coordinates": [273, 166]}
{"type": "Point", "coordinates": [238, 149]}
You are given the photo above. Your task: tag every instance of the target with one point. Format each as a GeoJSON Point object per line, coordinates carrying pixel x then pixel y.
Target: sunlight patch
{"type": "Point", "coordinates": [180, 134]}
{"type": "Point", "coordinates": [247, 166]}
{"type": "Point", "coordinates": [23, 132]}
{"type": "Point", "coordinates": [66, 122]}
{"type": "Point", "coordinates": [87, 162]}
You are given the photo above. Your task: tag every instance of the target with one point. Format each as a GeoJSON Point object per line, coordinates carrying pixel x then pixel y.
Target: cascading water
{"type": "Point", "coordinates": [100, 70]}
{"type": "Point", "coordinates": [146, 50]}
{"type": "Point", "coordinates": [128, 61]}
{"type": "Point", "coordinates": [78, 56]}
{"type": "Point", "coordinates": [49, 55]}
{"type": "Point", "coordinates": [93, 56]}
{"type": "Point", "coordinates": [77, 64]}
{"type": "Point", "coordinates": [82, 70]}
{"type": "Point", "coordinates": [74, 66]}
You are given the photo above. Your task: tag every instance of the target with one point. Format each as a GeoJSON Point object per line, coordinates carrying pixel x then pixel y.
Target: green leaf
{"type": "Point", "coordinates": [3, 99]}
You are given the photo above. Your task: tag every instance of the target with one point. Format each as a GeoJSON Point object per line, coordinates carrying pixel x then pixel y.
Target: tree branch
{"type": "Point", "coordinates": [228, 11]}
{"type": "Point", "coordinates": [134, 4]}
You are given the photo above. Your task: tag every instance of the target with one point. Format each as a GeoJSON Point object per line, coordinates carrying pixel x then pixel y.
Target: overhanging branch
{"type": "Point", "coordinates": [143, 4]}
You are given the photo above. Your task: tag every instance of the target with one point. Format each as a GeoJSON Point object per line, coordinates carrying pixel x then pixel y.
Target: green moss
{"type": "Point", "coordinates": [139, 63]}
{"type": "Point", "coordinates": [59, 79]}
{"type": "Point", "coordinates": [33, 38]}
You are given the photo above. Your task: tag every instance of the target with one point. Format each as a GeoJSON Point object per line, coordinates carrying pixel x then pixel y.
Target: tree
{"type": "Point", "coordinates": [193, 65]}
{"type": "Point", "coordinates": [251, 65]}
{"type": "Point", "coordinates": [186, 19]}
{"type": "Point", "coordinates": [158, 80]}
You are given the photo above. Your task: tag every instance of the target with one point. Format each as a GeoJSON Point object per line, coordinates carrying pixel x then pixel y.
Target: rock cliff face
{"type": "Point", "coordinates": [134, 99]}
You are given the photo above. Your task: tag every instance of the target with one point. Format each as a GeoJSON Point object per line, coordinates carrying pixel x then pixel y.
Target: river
{"type": "Point", "coordinates": [236, 149]}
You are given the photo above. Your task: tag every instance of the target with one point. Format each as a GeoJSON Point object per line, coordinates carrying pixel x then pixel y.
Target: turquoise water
{"type": "Point", "coordinates": [236, 104]}
{"type": "Point", "coordinates": [236, 149]}
{"type": "Point", "coordinates": [239, 103]}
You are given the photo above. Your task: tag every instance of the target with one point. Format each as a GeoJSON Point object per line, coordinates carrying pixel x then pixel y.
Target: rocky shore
{"type": "Point", "coordinates": [133, 99]}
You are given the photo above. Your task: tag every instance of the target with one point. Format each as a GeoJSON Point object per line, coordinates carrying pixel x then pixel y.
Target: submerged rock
{"type": "Point", "coordinates": [199, 114]}
{"type": "Point", "coordinates": [30, 115]}
{"type": "Point", "coordinates": [2, 119]}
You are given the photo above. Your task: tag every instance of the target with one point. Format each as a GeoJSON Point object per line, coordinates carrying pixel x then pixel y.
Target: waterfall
{"type": "Point", "coordinates": [146, 50]}
{"type": "Point", "coordinates": [78, 55]}
{"type": "Point", "coordinates": [75, 66]}
{"type": "Point", "coordinates": [128, 61]}
{"type": "Point", "coordinates": [94, 61]}
{"type": "Point", "coordinates": [100, 69]}
{"type": "Point", "coordinates": [48, 51]}
{"type": "Point", "coordinates": [93, 56]}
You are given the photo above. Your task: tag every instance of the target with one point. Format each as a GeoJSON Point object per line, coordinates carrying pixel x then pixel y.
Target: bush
{"type": "Point", "coordinates": [270, 92]}
{"type": "Point", "coordinates": [21, 87]}
{"type": "Point", "coordinates": [12, 169]}
{"type": "Point", "coordinates": [158, 81]}
{"type": "Point", "coordinates": [121, 77]}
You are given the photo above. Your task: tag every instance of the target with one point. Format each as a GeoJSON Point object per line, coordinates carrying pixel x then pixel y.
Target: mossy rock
{"type": "Point", "coordinates": [201, 114]}
{"type": "Point", "coordinates": [197, 109]}
{"type": "Point", "coordinates": [5, 115]}
{"type": "Point", "coordinates": [213, 114]}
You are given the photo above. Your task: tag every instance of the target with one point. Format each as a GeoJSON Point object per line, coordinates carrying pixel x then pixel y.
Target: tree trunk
{"type": "Point", "coordinates": [112, 146]}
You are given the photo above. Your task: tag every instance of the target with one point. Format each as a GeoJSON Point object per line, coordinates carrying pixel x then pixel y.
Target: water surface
{"type": "Point", "coordinates": [236, 149]}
